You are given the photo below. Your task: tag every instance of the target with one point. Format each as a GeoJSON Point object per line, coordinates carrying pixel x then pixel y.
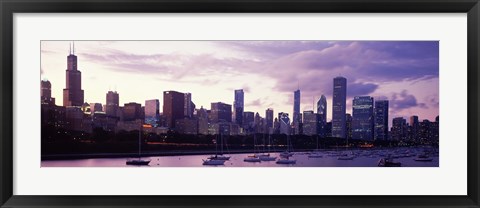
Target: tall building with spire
{"type": "Point", "coordinates": [73, 93]}
{"type": "Point", "coordinates": [339, 107]}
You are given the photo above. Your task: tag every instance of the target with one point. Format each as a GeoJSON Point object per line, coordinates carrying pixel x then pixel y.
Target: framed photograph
{"type": "Point", "coordinates": [267, 103]}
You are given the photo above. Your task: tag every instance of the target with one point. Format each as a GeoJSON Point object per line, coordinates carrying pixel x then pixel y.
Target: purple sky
{"type": "Point", "coordinates": [404, 72]}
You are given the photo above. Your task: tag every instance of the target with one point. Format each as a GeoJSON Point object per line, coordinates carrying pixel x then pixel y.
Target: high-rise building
{"type": "Point", "coordinates": [339, 107]}
{"type": "Point", "coordinates": [381, 120]}
{"type": "Point", "coordinates": [132, 111]}
{"type": "Point", "coordinates": [202, 117]}
{"type": "Point", "coordinates": [269, 120]}
{"type": "Point", "coordinates": [95, 107]}
{"type": "Point", "coordinates": [436, 130]}
{"type": "Point", "coordinates": [284, 122]}
{"type": "Point", "coordinates": [362, 118]}
{"type": "Point", "coordinates": [276, 126]}
{"type": "Point", "coordinates": [152, 112]}
{"type": "Point", "coordinates": [46, 89]}
{"type": "Point", "coordinates": [74, 118]}
{"type": "Point", "coordinates": [189, 107]}
{"type": "Point", "coordinates": [297, 120]}
{"type": "Point", "coordinates": [322, 111]}
{"type": "Point", "coordinates": [399, 129]}
{"type": "Point", "coordinates": [248, 121]}
{"type": "Point", "coordinates": [414, 128]}
{"type": "Point", "coordinates": [348, 121]}
{"type": "Point", "coordinates": [221, 112]}
{"type": "Point", "coordinates": [73, 93]}
{"type": "Point", "coordinates": [186, 126]}
{"type": "Point", "coordinates": [111, 108]}
{"type": "Point", "coordinates": [425, 132]}
{"type": "Point", "coordinates": [238, 106]}
{"type": "Point", "coordinates": [173, 107]}
{"type": "Point", "coordinates": [311, 123]}
{"type": "Point", "coordinates": [46, 93]}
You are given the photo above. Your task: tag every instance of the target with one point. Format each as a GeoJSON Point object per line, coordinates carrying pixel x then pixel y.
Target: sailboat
{"type": "Point", "coordinates": [285, 156]}
{"type": "Point", "coordinates": [266, 156]}
{"type": "Point", "coordinates": [220, 156]}
{"type": "Point", "coordinates": [346, 156]}
{"type": "Point", "coordinates": [254, 157]}
{"type": "Point", "coordinates": [316, 153]}
{"type": "Point", "coordinates": [138, 161]}
{"type": "Point", "coordinates": [287, 152]}
{"type": "Point", "coordinates": [216, 159]}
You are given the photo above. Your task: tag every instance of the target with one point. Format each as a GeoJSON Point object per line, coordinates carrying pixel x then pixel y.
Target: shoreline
{"type": "Point", "coordinates": [51, 157]}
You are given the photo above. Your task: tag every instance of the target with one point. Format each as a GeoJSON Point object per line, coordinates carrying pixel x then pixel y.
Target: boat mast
{"type": "Point", "coordinates": [221, 143]}
{"type": "Point", "coordinates": [139, 140]}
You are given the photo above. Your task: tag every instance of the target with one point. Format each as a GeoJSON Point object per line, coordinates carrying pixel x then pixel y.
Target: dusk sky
{"type": "Point", "coordinates": [404, 72]}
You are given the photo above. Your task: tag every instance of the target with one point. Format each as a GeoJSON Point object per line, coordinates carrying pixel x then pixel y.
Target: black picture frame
{"type": "Point", "coordinates": [9, 7]}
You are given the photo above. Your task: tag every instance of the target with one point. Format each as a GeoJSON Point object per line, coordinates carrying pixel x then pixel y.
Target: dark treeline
{"type": "Point", "coordinates": [61, 141]}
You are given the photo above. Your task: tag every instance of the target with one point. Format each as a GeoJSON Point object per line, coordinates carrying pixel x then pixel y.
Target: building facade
{"type": "Point", "coordinates": [173, 107]}
{"type": "Point", "coordinates": [73, 93]}
{"type": "Point", "coordinates": [269, 120]}
{"type": "Point", "coordinates": [339, 108]}
{"type": "Point", "coordinates": [284, 123]}
{"type": "Point", "coordinates": [152, 112]}
{"type": "Point", "coordinates": [362, 118]}
{"type": "Point", "coordinates": [322, 111]}
{"type": "Point", "coordinates": [297, 120]}
{"type": "Point", "coordinates": [381, 120]}
{"type": "Point", "coordinates": [238, 106]}
{"type": "Point", "coordinates": [221, 112]}
{"type": "Point", "coordinates": [112, 103]}
{"type": "Point", "coordinates": [399, 129]}
{"type": "Point", "coordinates": [311, 123]}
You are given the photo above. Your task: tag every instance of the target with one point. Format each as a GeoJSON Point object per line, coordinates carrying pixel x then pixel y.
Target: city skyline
{"type": "Point", "coordinates": [403, 100]}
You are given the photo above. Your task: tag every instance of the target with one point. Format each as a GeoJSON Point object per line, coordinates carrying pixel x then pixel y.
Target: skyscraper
{"type": "Point", "coordinates": [339, 107]}
{"type": "Point", "coordinates": [362, 118]}
{"type": "Point", "coordinates": [248, 121]}
{"type": "Point", "coordinates": [189, 107]}
{"type": "Point", "coordinates": [414, 128]}
{"type": "Point", "coordinates": [173, 107]}
{"type": "Point", "coordinates": [399, 128]}
{"type": "Point", "coordinates": [111, 108]}
{"type": "Point", "coordinates": [238, 106]}
{"type": "Point", "coordinates": [132, 111]}
{"type": "Point", "coordinates": [46, 93]}
{"type": "Point", "coordinates": [381, 120]}
{"type": "Point", "coordinates": [284, 122]}
{"type": "Point", "coordinates": [296, 111]}
{"type": "Point", "coordinates": [46, 89]}
{"type": "Point", "coordinates": [73, 93]}
{"type": "Point", "coordinates": [221, 112]}
{"type": "Point", "coordinates": [95, 107]}
{"type": "Point", "coordinates": [348, 121]}
{"type": "Point", "coordinates": [311, 123]}
{"type": "Point", "coordinates": [322, 111]}
{"type": "Point", "coordinates": [152, 112]}
{"type": "Point", "coordinates": [269, 120]}
{"type": "Point", "coordinates": [202, 116]}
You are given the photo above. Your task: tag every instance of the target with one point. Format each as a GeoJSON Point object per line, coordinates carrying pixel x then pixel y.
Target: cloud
{"type": "Point", "coordinates": [359, 89]}
{"type": "Point", "coordinates": [255, 103]}
{"type": "Point", "coordinates": [403, 100]}
{"type": "Point", "coordinates": [309, 65]}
